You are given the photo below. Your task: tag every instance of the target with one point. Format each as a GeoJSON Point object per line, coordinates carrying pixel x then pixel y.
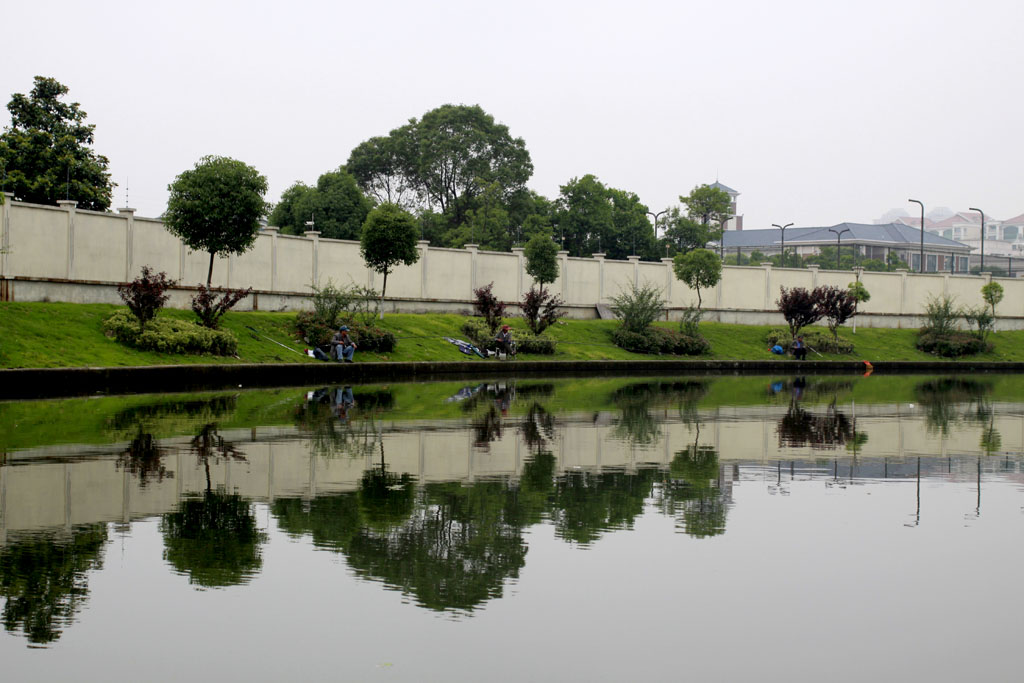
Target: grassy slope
{"type": "Point", "coordinates": [70, 335]}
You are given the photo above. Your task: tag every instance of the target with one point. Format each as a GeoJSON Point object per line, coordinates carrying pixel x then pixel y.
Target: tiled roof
{"type": "Point", "coordinates": [724, 188]}
{"type": "Point", "coordinates": [888, 234]}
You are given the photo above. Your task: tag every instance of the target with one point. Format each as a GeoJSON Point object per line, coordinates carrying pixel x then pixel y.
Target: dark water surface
{"type": "Point", "coordinates": [769, 528]}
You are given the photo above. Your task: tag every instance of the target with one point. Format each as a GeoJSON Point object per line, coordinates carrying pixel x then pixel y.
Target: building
{"type": "Point", "coordinates": [869, 242]}
{"type": "Point", "coordinates": [734, 221]}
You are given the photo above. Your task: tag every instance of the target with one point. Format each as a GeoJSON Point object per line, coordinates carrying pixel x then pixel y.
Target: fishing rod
{"type": "Point", "coordinates": [257, 332]}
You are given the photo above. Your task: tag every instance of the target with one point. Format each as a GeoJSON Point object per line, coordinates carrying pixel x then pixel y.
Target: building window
{"type": "Point", "coordinates": [915, 262]}
{"type": "Point", "coordinates": [962, 264]}
{"type": "Point", "coordinates": [931, 263]}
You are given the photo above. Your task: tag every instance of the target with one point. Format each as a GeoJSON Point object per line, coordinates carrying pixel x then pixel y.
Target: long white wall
{"type": "Point", "coordinates": [61, 253]}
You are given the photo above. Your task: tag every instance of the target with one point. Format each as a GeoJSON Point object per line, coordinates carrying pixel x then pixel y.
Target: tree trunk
{"type": "Point", "coordinates": [209, 273]}
{"type": "Point", "coordinates": [383, 289]}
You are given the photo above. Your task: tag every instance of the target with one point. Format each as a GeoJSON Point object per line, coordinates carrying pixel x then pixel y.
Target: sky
{"type": "Point", "coordinates": [816, 112]}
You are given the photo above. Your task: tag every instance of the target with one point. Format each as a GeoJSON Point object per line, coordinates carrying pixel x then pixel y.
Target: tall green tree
{"type": "Point", "coordinates": [584, 222]}
{"type": "Point", "coordinates": [336, 206]}
{"type": "Point", "coordinates": [45, 153]}
{"type": "Point", "coordinates": [541, 259]}
{"type": "Point", "coordinates": [707, 209]}
{"type": "Point", "coordinates": [384, 167]}
{"type": "Point", "coordinates": [389, 239]}
{"type": "Point", "coordinates": [444, 161]}
{"type": "Point", "coordinates": [216, 207]}
{"type": "Point", "coordinates": [699, 269]}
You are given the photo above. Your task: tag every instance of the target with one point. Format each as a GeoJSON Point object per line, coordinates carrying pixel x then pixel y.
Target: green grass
{"type": "Point", "coordinates": [40, 335]}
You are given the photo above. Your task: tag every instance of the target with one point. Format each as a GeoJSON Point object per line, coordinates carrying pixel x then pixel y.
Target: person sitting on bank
{"type": "Point", "coordinates": [799, 349]}
{"type": "Point", "coordinates": [504, 340]}
{"type": "Point", "coordinates": [342, 346]}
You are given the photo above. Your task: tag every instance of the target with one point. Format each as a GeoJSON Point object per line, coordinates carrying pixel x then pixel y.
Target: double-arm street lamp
{"type": "Point", "coordinates": [839, 243]}
{"type": "Point", "coordinates": [921, 204]}
{"type": "Point", "coordinates": [982, 239]}
{"type": "Point", "coordinates": [783, 229]}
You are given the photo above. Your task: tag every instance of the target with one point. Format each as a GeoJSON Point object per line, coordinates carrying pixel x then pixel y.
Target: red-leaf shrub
{"type": "Point", "coordinates": [146, 295]}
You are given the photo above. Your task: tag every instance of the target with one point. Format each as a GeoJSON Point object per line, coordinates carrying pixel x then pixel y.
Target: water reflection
{"type": "Point", "coordinates": [213, 538]}
{"type": "Point", "coordinates": [432, 491]}
{"type": "Point", "coordinates": [43, 580]}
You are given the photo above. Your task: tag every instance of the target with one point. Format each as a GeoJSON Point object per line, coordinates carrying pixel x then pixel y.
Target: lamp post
{"type": "Point", "coordinates": [982, 269]}
{"type": "Point", "coordinates": [921, 204]}
{"type": "Point", "coordinates": [655, 217]}
{"type": "Point", "coordinates": [783, 229]}
{"type": "Point", "coordinates": [839, 243]}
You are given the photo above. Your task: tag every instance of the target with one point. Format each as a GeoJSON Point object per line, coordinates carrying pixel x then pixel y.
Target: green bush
{"type": "Point", "coordinates": [170, 336]}
{"type": "Point", "coordinates": [372, 338]}
{"type": "Point", "coordinates": [479, 333]}
{"type": "Point", "coordinates": [658, 340]}
{"type": "Point", "coordinates": [638, 307]}
{"type": "Point", "coordinates": [941, 315]}
{"type": "Point", "coordinates": [314, 329]}
{"type": "Point", "coordinates": [953, 345]}
{"type": "Point", "coordinates": [819, 341]}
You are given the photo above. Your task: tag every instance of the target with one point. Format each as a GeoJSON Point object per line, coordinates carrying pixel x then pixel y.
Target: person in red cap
{"type": "Point", "coordinates": [504, 341]}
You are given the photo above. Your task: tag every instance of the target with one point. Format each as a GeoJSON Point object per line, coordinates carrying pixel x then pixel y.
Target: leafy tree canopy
{"type": "Point", "coordinates": [699, 269]}
{"type": "Point", "coordinates": [706, 209]}
{"type": "Point", "coordinates": [45, 154]}
{"type": "Point", "coordinates": [216, 207]}
{"type": "Point", "coordinates": [389, 239]}
{"type": "Point", "coordinates": [336, 207]}
{"type": "Point", "coordinates": [446, 160]}
{"type": "Point", "coordinates": [591, 217]}
{"type": "Point", "coordinates": [541, 259]}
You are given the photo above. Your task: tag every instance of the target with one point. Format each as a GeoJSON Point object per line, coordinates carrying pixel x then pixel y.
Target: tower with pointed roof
{"type": "Point", "coordinates": [735, 221]}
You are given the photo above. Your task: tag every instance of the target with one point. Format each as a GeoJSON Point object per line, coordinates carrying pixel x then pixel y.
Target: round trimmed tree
{"type": "Point", "coordinates": [388, 239]}
{"type": "Point", "coordinates": [216, 207]}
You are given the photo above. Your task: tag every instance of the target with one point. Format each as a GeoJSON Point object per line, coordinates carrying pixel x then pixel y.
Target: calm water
{"type": "Point", "coordinates": [769, 528]}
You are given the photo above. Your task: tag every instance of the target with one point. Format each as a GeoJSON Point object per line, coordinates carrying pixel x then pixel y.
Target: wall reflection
{"type": "Point", "coordinates": [439, 508]}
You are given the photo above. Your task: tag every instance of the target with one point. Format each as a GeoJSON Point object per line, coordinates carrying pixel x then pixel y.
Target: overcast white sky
{"type": "Point", "coordinates": [816, 112]}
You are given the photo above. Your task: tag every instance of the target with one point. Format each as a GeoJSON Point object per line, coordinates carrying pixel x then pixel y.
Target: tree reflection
{"type": "Point", "coordinates": [453, 550]}
{"type": "Point", "coordinates": [693, 493]}
{"type": "Point", "coordinates": [636, 424]}
{"type": "Point", "coordinates": [584, 505]}
{"type": "Point", "coordinates": [942, 400]}
{"type": "Point", "coordinates": [43, 580]}
{"type": "Point", "coordinates": [800, 427]}
{"type": "Point", "coordinates": [213, 538]}
{"type": "Point", "coordinates": [340, 420]}
{"type": "Point", "coordinates": [144, 456]}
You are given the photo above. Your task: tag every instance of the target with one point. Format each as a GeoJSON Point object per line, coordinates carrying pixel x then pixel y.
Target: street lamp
{"type": "Point", "coordinates": [655, 217]}
{"type": "Point", "coordinates": [982, 238]}
{"type": "Point", "coordinates": [839, 238]}
{"type": "Point", "coordinates": [921, 204]}
{"type": "Point", "coordinates": [783, 229]}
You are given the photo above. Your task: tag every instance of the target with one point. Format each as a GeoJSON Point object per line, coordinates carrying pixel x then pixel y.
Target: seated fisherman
{"type": "Point", "coordinates": [799, 349]}
{"type": "Point", "coordinates": [342, 346]}
{"type": "Point", "coordinates": [504, 341]}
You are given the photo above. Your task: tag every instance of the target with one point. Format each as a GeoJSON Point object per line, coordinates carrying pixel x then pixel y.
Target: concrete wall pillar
{"type": "Point", "coordinates": [599, 257]}
{"type": "Point", "coordinates": [814, 274]}
{"type": "Point", "coordinates": [767, 286]}
{"type": "Point", "coordinates": [473, 249]}
{"type": "Point", "coordinates": [69, 206]}
{"type": "Point", "coordinates": [315, 266]}
{"type": "Point", "coordinates": [563, 265]}
{"type": "Point", "coordinates": [424, 247]}
{"type": "Point", "coordinates": [272, 232]}
{"type": "Point", "coordinates": [129, 236]}
{"type": "Point", "coordinates": [635, 260]}
{"type": "Point", "coordinates": [520, 269]}
{"type": "Point", "coordinates": [903, 289]}
{"type": "Point", "coordinates": [5, 231]}
{"type": "Point", "coordinates": [670, 276]}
